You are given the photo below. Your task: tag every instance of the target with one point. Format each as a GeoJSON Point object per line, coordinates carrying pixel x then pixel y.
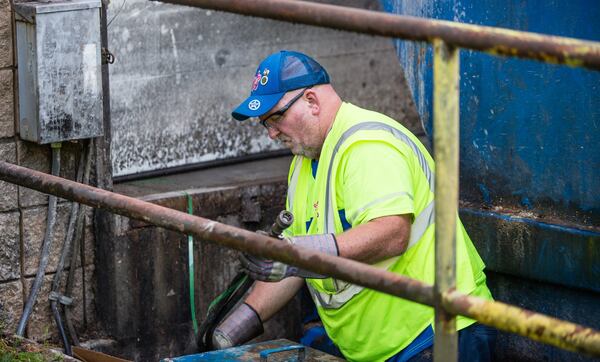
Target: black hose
{"type": "Point", "coordinates": [76, 246]}
{"type": "Point", "coordinates": [64, 256]}
{"type": "Point", "coordinates": [61, 329]}
{"type": "Point", "coordinates": [236, 290]}
{"type": "Point", "coordinates": [235, 298]}
{"type": "Point", "coordinates": [228, 299]}
{"type": "Point", "coordinates": [39, 277]}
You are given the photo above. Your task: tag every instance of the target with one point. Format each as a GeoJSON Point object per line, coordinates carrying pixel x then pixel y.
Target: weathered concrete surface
{"type": "Point", "coordinates": [6, 41]}
{"type": "Point", "coordinates": [34, 228]}
{"type": "Point", "coordinates": [38, 158]}
{"type": "Point", "coordinates": [89, 240]}
{"type": "Point", "coordinates": [40, 326]}
{"type": "Point", "coordinates": [34, 221]}
{"type": "Point", "coordinates": [8, 192]}
{"type": "Point", "coordinates": [11, 305]}
{"type": "Point", "coordinates": [272, 169]}
{"type": "Point", "coordinates": [84, 306]}
{"type": "Point", "coordinates": [179, 72]}
{"type": "Point", "coordinates": [529, 131]}
{"type": "Point", "coordinates": [7, 122]}
{"type": "Point", "coordinates": [143, 291]}
{"type": "Point", "coordinates": [9, 246]}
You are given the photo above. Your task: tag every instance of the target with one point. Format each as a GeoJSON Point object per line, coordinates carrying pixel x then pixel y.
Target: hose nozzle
{"type": "Point", "coordinates": [283, 221]}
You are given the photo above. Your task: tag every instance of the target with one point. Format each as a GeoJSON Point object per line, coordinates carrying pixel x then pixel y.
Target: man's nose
{"type": "Point", "coordinates": [273, 132]}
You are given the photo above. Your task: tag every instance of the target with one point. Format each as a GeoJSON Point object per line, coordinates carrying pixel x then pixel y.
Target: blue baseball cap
{"type": "Point", "coordinates": [278, 74]}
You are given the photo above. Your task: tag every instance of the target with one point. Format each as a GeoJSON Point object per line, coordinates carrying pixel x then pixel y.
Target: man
{"type": "Point", "coordinates": [360, 187]}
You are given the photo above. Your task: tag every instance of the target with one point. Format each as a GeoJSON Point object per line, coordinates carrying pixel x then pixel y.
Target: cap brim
{"type": "Point", "coordinates": [255, 106]}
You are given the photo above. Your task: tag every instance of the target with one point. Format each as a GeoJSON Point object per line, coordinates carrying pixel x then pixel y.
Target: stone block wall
{"type": "Point", "coordinates": [23, 214]}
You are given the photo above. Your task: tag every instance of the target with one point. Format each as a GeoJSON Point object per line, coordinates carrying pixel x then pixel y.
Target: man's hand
{"type": "Point", "coordinates": [271, 271]}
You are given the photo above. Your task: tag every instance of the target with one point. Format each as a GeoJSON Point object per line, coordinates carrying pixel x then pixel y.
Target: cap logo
{"type": "Point", "coordinates": [254, 104]}
{"type": "Point", "coordinates": [265, 78]}
{"type": "Point", "coordinates": [256, 81]}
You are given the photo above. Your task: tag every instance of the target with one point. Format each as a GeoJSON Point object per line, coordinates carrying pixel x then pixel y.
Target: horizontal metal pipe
{"type": "Point", "coordinates": [559, 333]}
{"type": "Point", "coordinates": [496, 41]}
{"type": "Point", "coordinates": [539, 327]}
{"type": "Point", "coordinates": [222, 234]}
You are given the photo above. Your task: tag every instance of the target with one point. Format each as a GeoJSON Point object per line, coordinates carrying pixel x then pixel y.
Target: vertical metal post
{"type": "Point", "coordinates": [446, 122]}
{"type": "Point", "coordinates": [102, 144]}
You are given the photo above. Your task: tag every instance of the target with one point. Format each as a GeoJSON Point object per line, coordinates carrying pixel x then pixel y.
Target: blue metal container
{"type": "Point", "coordinates": [281, 350]}
{"type": "Point", "coordinates": [530, 159]}
{"type": "Point", "coordinates": [530, 132]}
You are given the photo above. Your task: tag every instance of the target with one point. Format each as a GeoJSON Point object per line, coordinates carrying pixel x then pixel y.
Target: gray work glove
{"type": "Point", "coordinates": [239, 327]}
{"type": "Point", "coordinates": [272, 271]}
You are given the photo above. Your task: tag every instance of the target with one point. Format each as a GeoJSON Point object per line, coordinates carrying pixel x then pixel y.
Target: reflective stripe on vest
{"type": "Point", "coordinates": [345, 291]}
{"type": "Point", "coordinates": [370, 126]}
{"type": "Point", "coordinates": [293, 182]}
{"type": "Point", "coordinates": [375, 202]}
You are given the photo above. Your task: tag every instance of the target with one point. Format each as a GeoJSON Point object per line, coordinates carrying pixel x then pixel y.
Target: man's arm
{"type": "Point", "coordinates": [376, 240]}
{"type": "Point", "coordinates": [268, 298]}
{"type": "Point", "coordinates": [245, 322]}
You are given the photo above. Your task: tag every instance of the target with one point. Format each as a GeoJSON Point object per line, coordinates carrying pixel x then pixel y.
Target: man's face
{"type": "Point", "coordinates": [291, 122]}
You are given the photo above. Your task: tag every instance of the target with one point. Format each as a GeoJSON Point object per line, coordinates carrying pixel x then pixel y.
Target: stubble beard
{"type": "Point", "coordinates": [299, 149]}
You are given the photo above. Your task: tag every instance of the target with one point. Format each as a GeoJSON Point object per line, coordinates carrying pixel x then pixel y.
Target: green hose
{"type": "Point", "coordinates": [191, 268]}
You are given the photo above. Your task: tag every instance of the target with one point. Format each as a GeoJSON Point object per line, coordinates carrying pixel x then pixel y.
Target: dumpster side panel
{"type": "Point", "coordinates": [529, 159]}
{"type": "Point", "coordinates": [529, 131]}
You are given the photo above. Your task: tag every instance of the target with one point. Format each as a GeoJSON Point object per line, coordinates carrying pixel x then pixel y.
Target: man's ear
{"type": "Point", "coordinates": [313, 101]}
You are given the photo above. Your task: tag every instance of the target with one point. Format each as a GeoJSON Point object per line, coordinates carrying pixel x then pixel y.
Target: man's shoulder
{"type": "Point", "coordinates": [353, 115]}
{"type": "Point", "coordinates": [352, 111]}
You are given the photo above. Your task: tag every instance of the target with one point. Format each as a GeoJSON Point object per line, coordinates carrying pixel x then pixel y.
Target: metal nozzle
{"type": "Point", "coordinates": [283, 221]}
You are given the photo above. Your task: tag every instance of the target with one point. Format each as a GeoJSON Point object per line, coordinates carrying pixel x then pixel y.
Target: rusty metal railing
{"type": "Point", "coordinates": [446, 118]}
{"type": "Point", "coordinates": [495, 41]}
{"type": "Point", "coordinates": [533, 325]}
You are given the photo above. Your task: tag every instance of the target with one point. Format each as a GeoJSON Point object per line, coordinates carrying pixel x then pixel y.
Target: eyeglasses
{"type": "Point", "coordinates": [279, 113]}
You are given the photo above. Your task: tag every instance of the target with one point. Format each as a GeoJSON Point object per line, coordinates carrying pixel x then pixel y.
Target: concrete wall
{"type": "Point", "coordinates": [179, 71]}
{"type": "Point", "coordinates": [23, 215]}
{"type": "Point", "coordinates": [143, 284]}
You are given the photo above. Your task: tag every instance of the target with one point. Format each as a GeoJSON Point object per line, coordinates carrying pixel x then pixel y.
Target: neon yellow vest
{"type": "Point", "coordinates": [367, 325]}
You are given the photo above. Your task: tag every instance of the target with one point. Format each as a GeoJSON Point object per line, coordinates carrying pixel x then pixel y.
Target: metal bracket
{"type": "Point", "coordinates": [62, 299]}
{"type": "Point", "coordinates": [264, 355]}
{"type": "Point", "coordinates": [107, 56]}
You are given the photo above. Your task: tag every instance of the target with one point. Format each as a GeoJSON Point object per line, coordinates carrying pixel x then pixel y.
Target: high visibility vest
{"type": "Point", "coordinates": [368, 325]}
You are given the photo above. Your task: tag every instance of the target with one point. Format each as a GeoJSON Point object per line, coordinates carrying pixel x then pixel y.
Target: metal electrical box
{"type": "Point", "coordinates": [59, 68]}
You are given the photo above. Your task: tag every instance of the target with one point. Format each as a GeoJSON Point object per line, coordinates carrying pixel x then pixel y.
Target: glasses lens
{"type": "Point", "coordinates": [276, 116]}
{"type": "Point", "coordinates": [266, 124]}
